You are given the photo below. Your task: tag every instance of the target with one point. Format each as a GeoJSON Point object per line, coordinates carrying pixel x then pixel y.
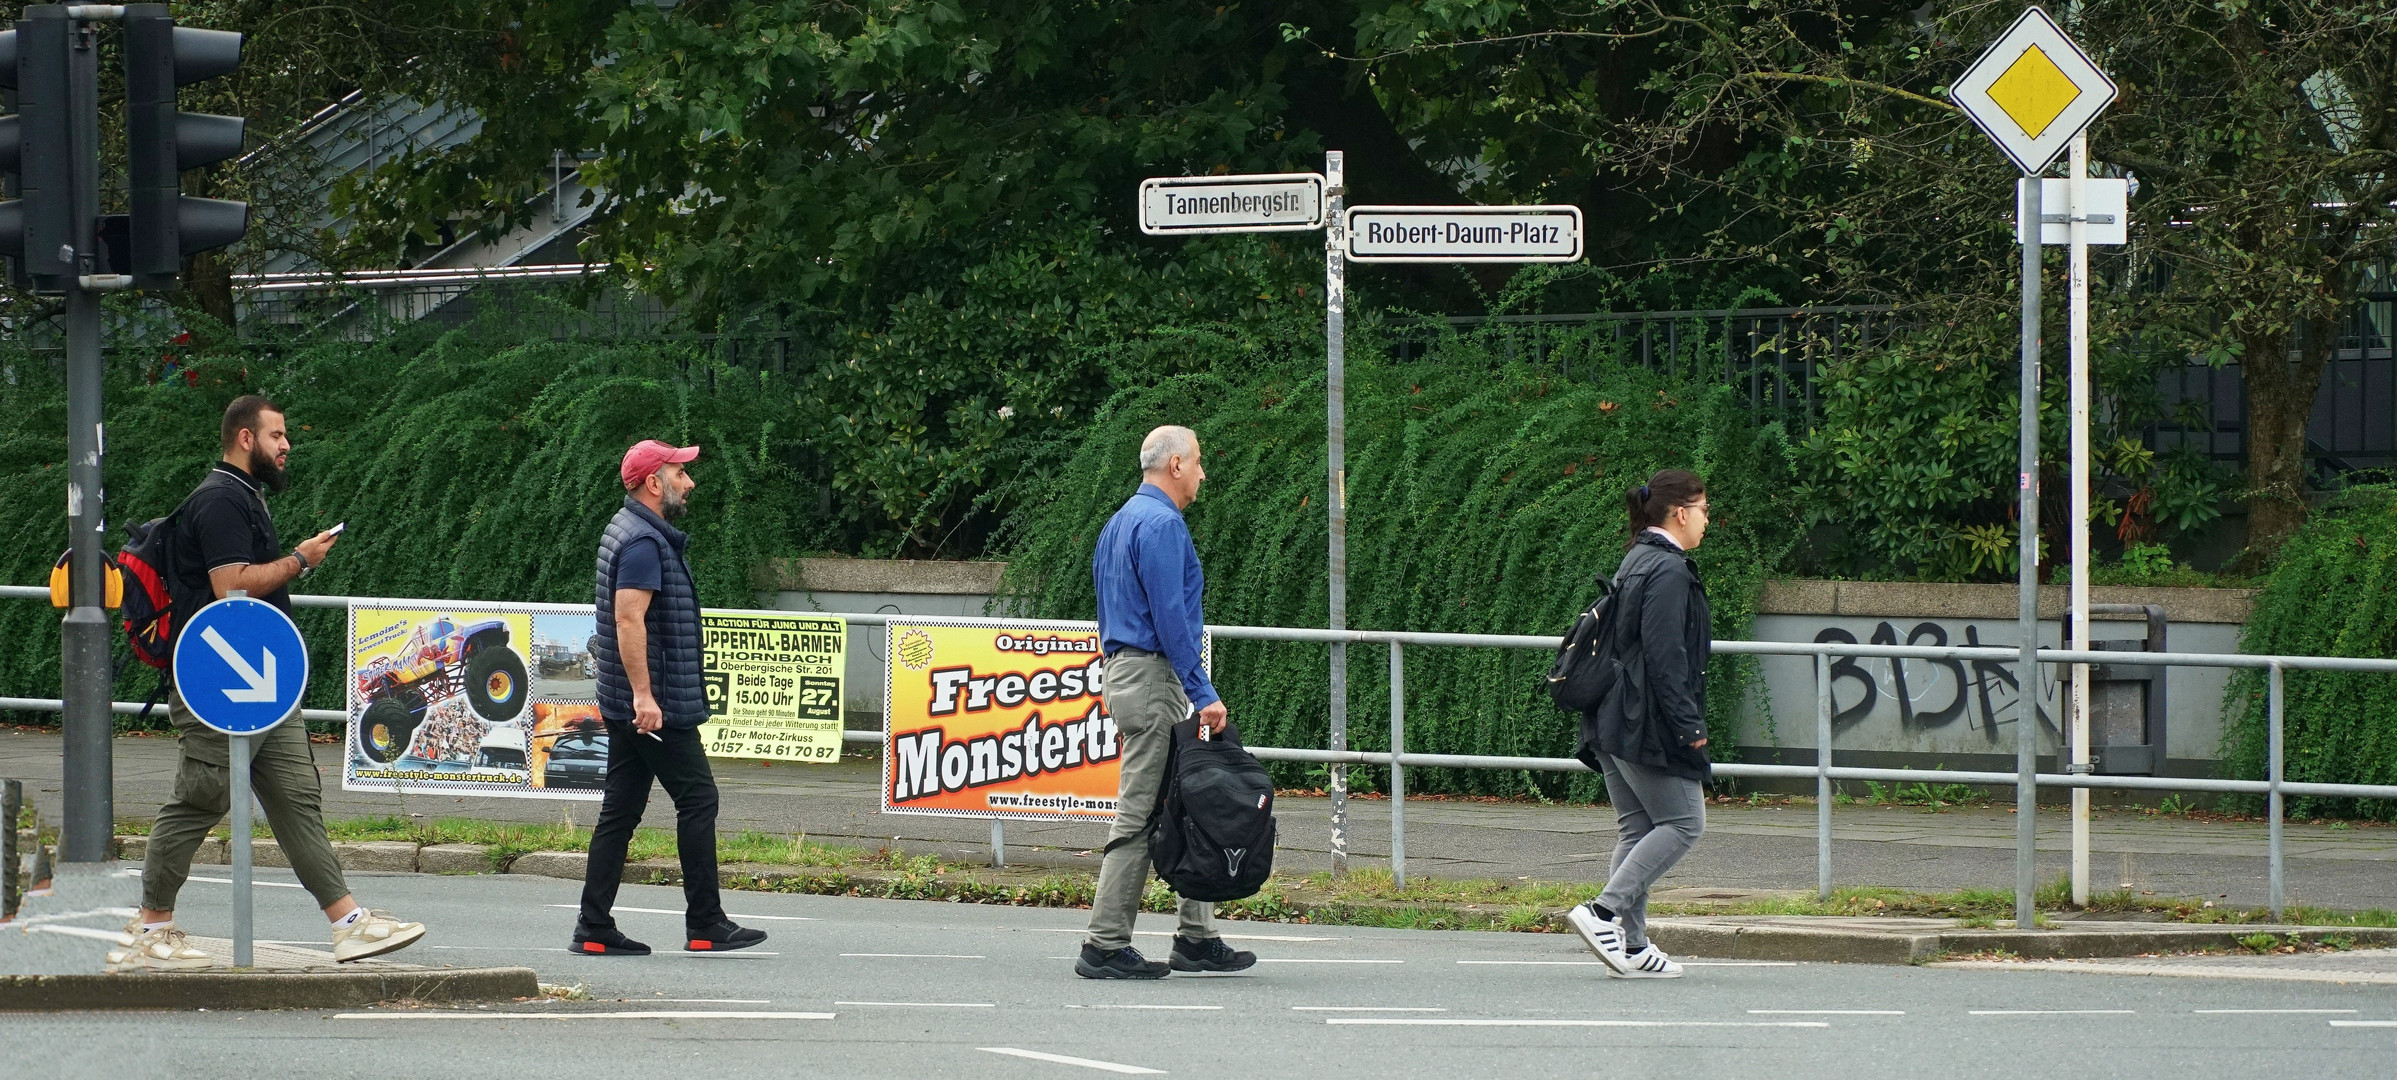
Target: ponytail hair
{"type": "Point", "coordinates": [1665, 492]}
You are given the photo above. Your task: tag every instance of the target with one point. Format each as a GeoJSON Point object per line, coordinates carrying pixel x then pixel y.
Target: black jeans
{"type": "Point", "coordinates": [677, 760]}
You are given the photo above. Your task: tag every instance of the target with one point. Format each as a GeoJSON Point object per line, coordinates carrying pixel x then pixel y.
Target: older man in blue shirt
{"type": "Point", "coordinates": [1150, 629]}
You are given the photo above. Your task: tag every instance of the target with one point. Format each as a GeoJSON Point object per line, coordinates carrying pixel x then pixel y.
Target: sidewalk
{"type": "Point", "coordinates": [1745, 847]}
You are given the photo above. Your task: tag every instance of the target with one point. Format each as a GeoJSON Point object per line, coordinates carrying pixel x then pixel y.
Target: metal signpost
{"type": "Point", "coordinates": [241, 667]}
{"type": "Point", "coordinates": [2033, 92]}
{"type": "Point", "coordinates": [1280, 202]}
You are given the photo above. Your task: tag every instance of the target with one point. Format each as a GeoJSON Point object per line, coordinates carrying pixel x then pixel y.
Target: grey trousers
{"type": "Point", "coordinates": [1146, 700]}
{"type": "Point", "coordinates": [1657, 817]}
{"type": "Point", "coordinates": [282, 777]}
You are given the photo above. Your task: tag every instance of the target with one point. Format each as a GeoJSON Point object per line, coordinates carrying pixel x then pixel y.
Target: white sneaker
{"type": "Point", "coordinates": [375, 933]}
{"type": "Point", "coordinates": [1649, 963]}
{"type": "Point", "coordinates": [1604, 937]}
{"type": "Point", "coordinates": [163, 949]}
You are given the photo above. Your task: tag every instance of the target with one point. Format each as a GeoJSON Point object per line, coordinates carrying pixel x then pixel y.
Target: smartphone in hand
{"type": "Point", "coordinates": [336, 530]}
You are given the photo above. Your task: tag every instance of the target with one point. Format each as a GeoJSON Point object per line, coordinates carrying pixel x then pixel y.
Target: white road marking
{"type": "Point", "coordinates": [669, 911]}
{"type": "Point", "coordinates": [253, 881]}
{"type": "Point", "coordinates": [1187, 1008]}
{"type": "Point", "coordinates": [1061, 1059]}
{"type": "Point", "coordinates": [318, 944]}
{"type": "Point", "coordinates": [912, 956]}
{"type": "Point", "coordinates": [925, 1004]}
{"type": "Point", "coordinates": [1533, 963]}
{"type": "Point", "coordinates": [647, 1014]}
{"type": "Point", "coordinates": [2263, 1012]}
{"type": "Point", "coordinates": [498, 948]}
{"type": "Point", "coordinates": [2055, 1012]}
{"type": "Point", "coordinates": [1361, 1008]}
{"type": "Point", "coordinates": [1443, 1021]}
{"type": "Point", "coordinates": [742, 954]}
{"type": "Point", "coordinates": [1826, 1012]}
{"type": "Point", "coordinates": [1739, 963]}
{"type": "Point", "coordinates": [1159, 933]}
{"type": "Point", "coordinates": [1311, 960]}
{"type": "Point", "coordinates": [2364, 1023]}
{"type": "Point", "coordinates": [707, 1001]}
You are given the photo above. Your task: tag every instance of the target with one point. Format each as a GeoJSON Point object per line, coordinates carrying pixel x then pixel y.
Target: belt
{"type": "Point", "coordinates": [1133, 652]}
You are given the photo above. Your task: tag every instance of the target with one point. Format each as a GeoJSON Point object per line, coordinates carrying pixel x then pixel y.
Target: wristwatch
{"type": "Point", "coordinates": [305, 569]}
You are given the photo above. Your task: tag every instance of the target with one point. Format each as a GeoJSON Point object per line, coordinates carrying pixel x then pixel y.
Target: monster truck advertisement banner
{"type": "Point", "coordinates": [998, 721]}
{"type": "Point", "coordinates": [496, 699]}
{"type": "Point", "coordinates": [773, 685]}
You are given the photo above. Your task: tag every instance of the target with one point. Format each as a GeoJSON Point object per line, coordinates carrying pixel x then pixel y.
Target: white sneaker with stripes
{"type": "Point", "coordinates": [1604, 936]}
{"type": "Point", "coordinates": [1649, 963]}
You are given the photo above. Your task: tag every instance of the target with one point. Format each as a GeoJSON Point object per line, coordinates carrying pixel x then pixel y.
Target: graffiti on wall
{"type": "Point", "coordinates": [1932, 695]}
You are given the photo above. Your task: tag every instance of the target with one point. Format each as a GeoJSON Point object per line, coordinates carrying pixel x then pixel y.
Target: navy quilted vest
{"type": "Point", "coordinates": [673, 621]}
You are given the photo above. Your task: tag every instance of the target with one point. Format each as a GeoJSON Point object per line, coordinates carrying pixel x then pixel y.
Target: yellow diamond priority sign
{"type": "Point", "coordinates": [2033, 91]}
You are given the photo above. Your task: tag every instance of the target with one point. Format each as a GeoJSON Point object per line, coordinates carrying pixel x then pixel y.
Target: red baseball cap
{"type": "Point", "coordinates": [646, 455]}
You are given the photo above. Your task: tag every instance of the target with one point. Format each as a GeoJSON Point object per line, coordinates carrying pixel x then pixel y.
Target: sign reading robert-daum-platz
{"type": "Point", "coordinates": [1464, 233]}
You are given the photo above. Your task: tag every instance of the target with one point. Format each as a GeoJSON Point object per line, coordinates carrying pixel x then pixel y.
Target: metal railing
{"type": "Point", "coordinates": [1824, 772]}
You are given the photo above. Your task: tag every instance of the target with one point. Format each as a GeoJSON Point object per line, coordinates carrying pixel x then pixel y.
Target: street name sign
{"type": "Point", "coordinates": [1261, 202]}
{"type": "Point", "coordinates": [240, 666]}
{"type": "Point", "coordinates": [1476, 234]}
{"type": "Point", "coordinates": [2033, 91]}
{"type": "Point", "coordinates": [2105, 209]}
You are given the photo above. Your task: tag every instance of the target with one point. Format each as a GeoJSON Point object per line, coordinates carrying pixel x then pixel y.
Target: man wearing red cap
{"type": "Point", "coordinates": [653, 698]}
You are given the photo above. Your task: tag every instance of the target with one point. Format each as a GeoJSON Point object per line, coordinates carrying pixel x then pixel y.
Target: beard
{"type": "Point", "coordinates": [673, 505]}
{"type": "Point", "coordinates": [268, 474]}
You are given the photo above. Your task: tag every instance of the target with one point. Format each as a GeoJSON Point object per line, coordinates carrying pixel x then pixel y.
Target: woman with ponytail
{"type": "Point", "coordinates": [1648, 737]}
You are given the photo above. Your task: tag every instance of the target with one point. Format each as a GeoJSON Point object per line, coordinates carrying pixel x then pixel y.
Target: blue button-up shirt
{"type": "Point", "coordinates": [1150, 586]}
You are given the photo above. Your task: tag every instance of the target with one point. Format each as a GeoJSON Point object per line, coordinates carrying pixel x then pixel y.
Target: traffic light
{"type": "Point", "coordinates": [35, 225]}
{"type": "Point", "coordinates": [162, 142]}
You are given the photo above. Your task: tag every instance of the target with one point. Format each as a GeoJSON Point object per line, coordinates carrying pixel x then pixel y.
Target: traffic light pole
{"type": "Point", "coordinates": [88, 666]}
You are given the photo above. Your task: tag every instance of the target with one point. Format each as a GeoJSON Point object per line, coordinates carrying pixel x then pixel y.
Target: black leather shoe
{"type": "Point", "coordinates": [723, 937]}
{"type": "Point", "coordinates": [608, 942]}
{"type": "Point", "coordinates": [1123, 963]}
{"type": "Point", "coordinates": [1209, 955]}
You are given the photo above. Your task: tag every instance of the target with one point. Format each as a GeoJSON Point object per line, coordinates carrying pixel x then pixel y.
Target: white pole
{"type": "Point", "coordinates": [1335, 317]}
{"type": "Point", "coordinates": [2077, 227]}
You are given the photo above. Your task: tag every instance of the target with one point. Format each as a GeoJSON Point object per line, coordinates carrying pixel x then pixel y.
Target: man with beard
{"type": "Point", "coordinates": [223, 539]}
{"type": "Point", "coordinates": [653, 698]}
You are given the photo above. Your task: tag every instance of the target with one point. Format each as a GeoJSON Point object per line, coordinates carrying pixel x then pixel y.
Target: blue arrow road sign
{"type": "Point", "coordinates": [241, 666]}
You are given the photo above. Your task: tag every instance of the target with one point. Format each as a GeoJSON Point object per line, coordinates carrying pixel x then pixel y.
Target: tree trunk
{"type": "Point", "coordinates": [205, 296]}
{"type": "Point", "coordinates": [2280, 400]}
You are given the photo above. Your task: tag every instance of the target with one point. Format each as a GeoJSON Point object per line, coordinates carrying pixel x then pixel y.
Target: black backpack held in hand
{"type": "Point", "coordinates": [1586, 668]}
{"type": "Point", "coordinates": [1212, 836]}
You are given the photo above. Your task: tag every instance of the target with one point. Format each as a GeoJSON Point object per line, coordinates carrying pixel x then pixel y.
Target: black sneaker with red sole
{"type": "Point", "coordinates": [608, 942]}
{"type": "Point", "coordinates": [722, 937]}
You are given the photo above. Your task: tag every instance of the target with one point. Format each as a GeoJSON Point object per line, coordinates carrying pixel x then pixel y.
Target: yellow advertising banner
{"type": "Point", "coordinates": [997, 721]}
{"type": "Point", "coordinates": [773, 685]}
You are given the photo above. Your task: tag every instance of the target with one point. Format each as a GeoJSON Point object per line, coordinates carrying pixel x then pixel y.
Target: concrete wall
{"type": "Point", "coordinates": [1920, 713]}
{"type": "Point", "coordinates": [893, 586]}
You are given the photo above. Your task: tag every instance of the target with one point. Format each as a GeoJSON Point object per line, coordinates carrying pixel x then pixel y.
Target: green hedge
{"type": "Point", "coordinates": [2333, 593]}
{"type": "Point", "coordinates": [467, 465]}
{"type": "Point", "coordinates": [1486, 496]}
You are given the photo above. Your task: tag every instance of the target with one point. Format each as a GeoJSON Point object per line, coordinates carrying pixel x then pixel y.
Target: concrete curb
{"type": "Point", "coordinates": [1850, 940]}
{"type": "Point", "coordinates": [263, 990]}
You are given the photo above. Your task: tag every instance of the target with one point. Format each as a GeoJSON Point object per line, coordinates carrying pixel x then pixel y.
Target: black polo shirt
{"type": "Point", "coordinates": [225, 523]}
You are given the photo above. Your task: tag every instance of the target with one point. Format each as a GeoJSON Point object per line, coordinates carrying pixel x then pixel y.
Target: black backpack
{"type": "Point", "coordinates": [1586, 667]}
{"type": "Point", "coordinates": [1212, 836]}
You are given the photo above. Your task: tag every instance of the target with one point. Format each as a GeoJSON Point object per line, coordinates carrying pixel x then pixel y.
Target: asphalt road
{"type": "Point", "coordinates": [850, 987]}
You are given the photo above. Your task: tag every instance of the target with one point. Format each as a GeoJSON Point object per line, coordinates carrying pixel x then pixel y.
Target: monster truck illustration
{"type": "Point", "coordinates": [557, 658]}
{"type": "Point", "coordinates": [442, 659]}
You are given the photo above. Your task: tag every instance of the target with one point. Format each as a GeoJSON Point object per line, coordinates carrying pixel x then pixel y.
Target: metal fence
{"type": "Point", "coordinates": [1824, 771]}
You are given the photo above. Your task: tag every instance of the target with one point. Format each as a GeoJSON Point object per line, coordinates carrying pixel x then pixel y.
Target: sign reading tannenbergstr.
{"type": "Point", "coordinates": [1464, 233]}
{"type": "Point", "coordinates": [1267, 202]}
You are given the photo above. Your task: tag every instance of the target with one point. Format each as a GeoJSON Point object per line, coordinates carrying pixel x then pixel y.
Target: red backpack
{"type": "Point", "coordinates": [149, 608]}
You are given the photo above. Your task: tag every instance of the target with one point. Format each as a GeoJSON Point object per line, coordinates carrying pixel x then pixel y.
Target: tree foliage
{"type": "Point", "coordinates": [1486, 496]}
{"type": "Point", "coordinates": [2331, 595]}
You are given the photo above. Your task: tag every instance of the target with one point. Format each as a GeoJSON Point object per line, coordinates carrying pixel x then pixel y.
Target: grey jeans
{"type": "Point", "coordinates": [1657, 817]}
{"type": "Point", "coordinates": [1146, 700]}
